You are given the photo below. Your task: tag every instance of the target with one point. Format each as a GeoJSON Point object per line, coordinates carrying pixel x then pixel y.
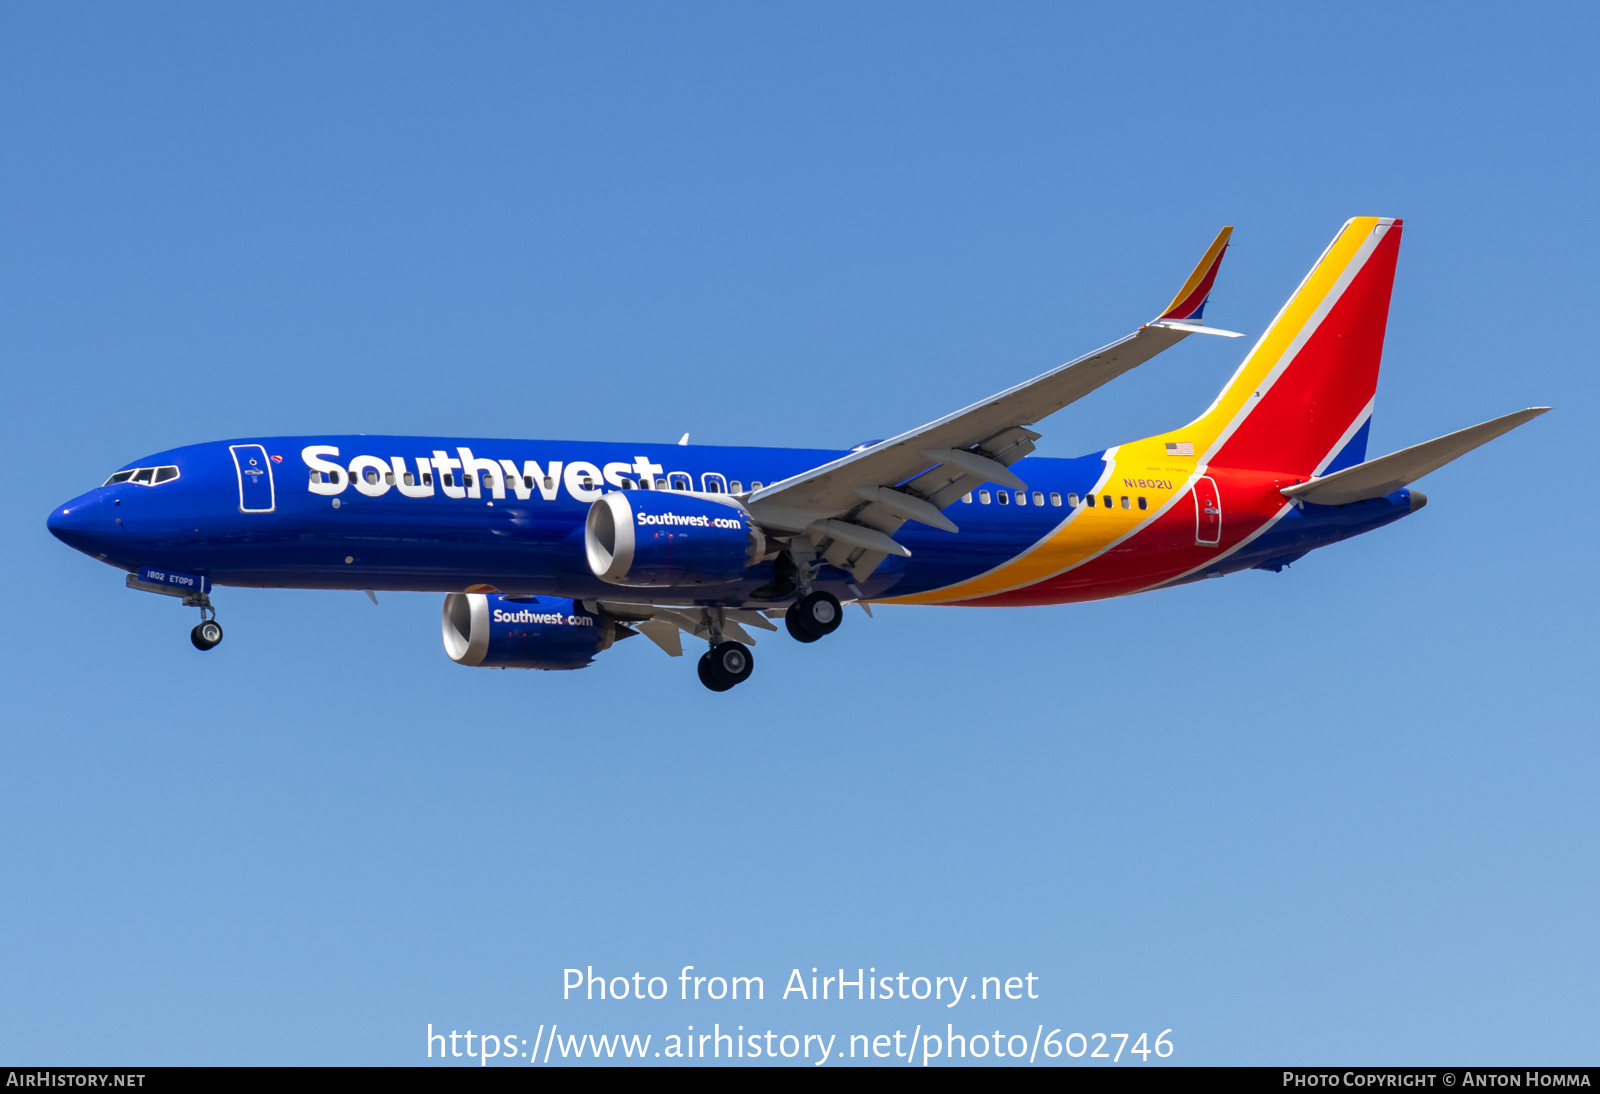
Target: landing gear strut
{"type": "Point", "coordinates": [814, 615]}
{"type": "Point", "coordinates": [193, 590]}
{"type": "Point", "coordinates": [208, 632]}
{"type": "Point", "coordinates": [726, 664]}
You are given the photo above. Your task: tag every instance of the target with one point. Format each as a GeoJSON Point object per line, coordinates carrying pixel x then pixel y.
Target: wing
{"type": "Point", "coordinates": [662, 623]}
{"type": "Point", "coordinates": [851, 508]}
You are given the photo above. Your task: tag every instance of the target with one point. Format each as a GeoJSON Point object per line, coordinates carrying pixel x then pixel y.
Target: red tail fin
{"type": "Point", "coordinates": [1305, 391]}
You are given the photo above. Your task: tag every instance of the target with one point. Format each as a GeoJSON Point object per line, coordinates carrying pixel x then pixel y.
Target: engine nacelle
{"type": "Point", "coordinates": [665, 538]}
{"type": "Point", "coordinates": [528, 632]}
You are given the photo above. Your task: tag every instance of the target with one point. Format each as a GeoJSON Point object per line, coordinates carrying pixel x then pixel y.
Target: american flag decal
{"type": "Point", "coordinates": [1180, 448]}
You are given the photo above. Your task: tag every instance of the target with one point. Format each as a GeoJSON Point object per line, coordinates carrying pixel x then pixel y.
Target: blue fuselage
{"type": "Point", "coordinates": [445, 514]}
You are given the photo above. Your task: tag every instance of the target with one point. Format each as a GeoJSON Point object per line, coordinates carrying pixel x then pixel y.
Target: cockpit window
{"type": "Point", "coordinates": [144, 476]}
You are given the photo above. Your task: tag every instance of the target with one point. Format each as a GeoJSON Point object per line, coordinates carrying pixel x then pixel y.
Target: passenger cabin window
{"type": "Point", "coordinates": [427, 478]}
{"type": "Point", "coordinates": [736, 486]}
{"type": "Point", "coordinates": [966, 499]}
{"type": "Point", "coordinates": [527, 482]}
{"type": "Point", "coordinates": [1038, 498]}
{"type": "Point", "coordinates": [1072, 500]}
{"type": "Point", "coordinates": [1107, 500]}
{"type": "Point", "coordinates": [1089, 501]}
{"type": "Point", "coordinates": [1055, 499]}
{"type": "Point", "coordinates": [755, 486]}
{"type": "Point", "coordinates": [1142, 503]}
{"type": "Point", "coordinates": [1005, 498]}
{"type": "Point", "coordinates": [372, 476]}
{"type": "Point", "coordinates": [983, 497]}
{"type": "Point", "coordinates": [1125, 503]}
{"type": "Point", "coordinates": [1022, 497]}
{"type": "Point", "coordinates": [713, 483]}
{"type": "Point", "coordinates": [680, 480]}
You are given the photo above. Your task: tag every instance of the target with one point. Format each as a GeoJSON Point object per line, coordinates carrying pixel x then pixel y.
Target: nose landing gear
{"type": "Point", "coordinates": [206, 634]}
{"type": "Point", "coordinates": [193, 590]}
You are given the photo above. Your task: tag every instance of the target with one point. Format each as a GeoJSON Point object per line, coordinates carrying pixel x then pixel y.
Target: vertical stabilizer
{"type": "Point", "coordinates": [1301, 400]}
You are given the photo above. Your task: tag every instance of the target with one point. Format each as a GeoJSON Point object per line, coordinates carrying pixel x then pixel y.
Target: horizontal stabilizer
{"type": "Point", "coordinates": [1386, 474]}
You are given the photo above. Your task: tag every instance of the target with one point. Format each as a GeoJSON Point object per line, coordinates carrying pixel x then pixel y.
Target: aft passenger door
{"type": "Point", "coordinates": [256, 493]}
{"type": "Point", "coordinates": [1207, 512]}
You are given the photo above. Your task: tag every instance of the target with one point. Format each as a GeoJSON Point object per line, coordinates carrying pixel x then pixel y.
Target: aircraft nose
{"type": "Point", "coordinates": [83, 523]}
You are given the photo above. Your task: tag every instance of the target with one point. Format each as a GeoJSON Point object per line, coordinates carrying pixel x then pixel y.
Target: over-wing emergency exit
{"type": "Point", "coordinates": [548, 552]}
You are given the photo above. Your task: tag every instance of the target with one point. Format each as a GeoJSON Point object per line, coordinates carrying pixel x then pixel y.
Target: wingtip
{"type": "Point", "coordinates": [1190, 303]}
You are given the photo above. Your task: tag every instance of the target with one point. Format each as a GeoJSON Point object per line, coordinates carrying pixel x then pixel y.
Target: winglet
{"type": "Point", "coordinates": [1190, 303]}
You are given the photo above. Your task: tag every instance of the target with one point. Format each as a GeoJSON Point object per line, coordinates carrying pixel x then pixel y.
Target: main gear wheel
{"type": "Point", "coordinates": [813, 616]}
{"type": "Point", "coordinates": [726, 664]}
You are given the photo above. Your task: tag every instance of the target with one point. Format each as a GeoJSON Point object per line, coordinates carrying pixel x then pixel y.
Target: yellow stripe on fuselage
{"type": "Point", "coordinates": [1087, 532]}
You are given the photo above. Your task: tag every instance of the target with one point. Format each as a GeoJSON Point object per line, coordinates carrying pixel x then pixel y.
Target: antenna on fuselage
{"type": "Point", "coordinates": [684, 439]}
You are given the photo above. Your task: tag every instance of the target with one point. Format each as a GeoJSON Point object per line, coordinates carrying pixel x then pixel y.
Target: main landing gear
{"type": "Point", "coordinates": [726, 664]}
{"type": "Point", "coordinates": [814, 615]}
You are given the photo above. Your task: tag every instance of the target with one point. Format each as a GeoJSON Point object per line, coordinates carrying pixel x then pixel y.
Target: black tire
{"type": "Point", "coordinates": [206, 635]}
{"type": "Point", "coordinates": [733, 661]}
{"type": "Point", "coordinates": [796, 625]}
{"type": "Point", "coordinates": [813, 616]}
{"type": "Point", "coordinates": [709, 676]}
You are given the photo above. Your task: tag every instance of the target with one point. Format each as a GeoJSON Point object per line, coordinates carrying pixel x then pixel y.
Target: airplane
{"type": "Point", "coordinates": [549, 552]}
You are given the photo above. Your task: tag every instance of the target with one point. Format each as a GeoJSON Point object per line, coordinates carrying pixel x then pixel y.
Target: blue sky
{"type": "Point", "coordinates": [1341, 814]}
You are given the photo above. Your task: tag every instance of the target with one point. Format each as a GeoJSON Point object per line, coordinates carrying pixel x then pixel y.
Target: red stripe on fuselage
{"type": "Point", "coordinates": [1162, 549]}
